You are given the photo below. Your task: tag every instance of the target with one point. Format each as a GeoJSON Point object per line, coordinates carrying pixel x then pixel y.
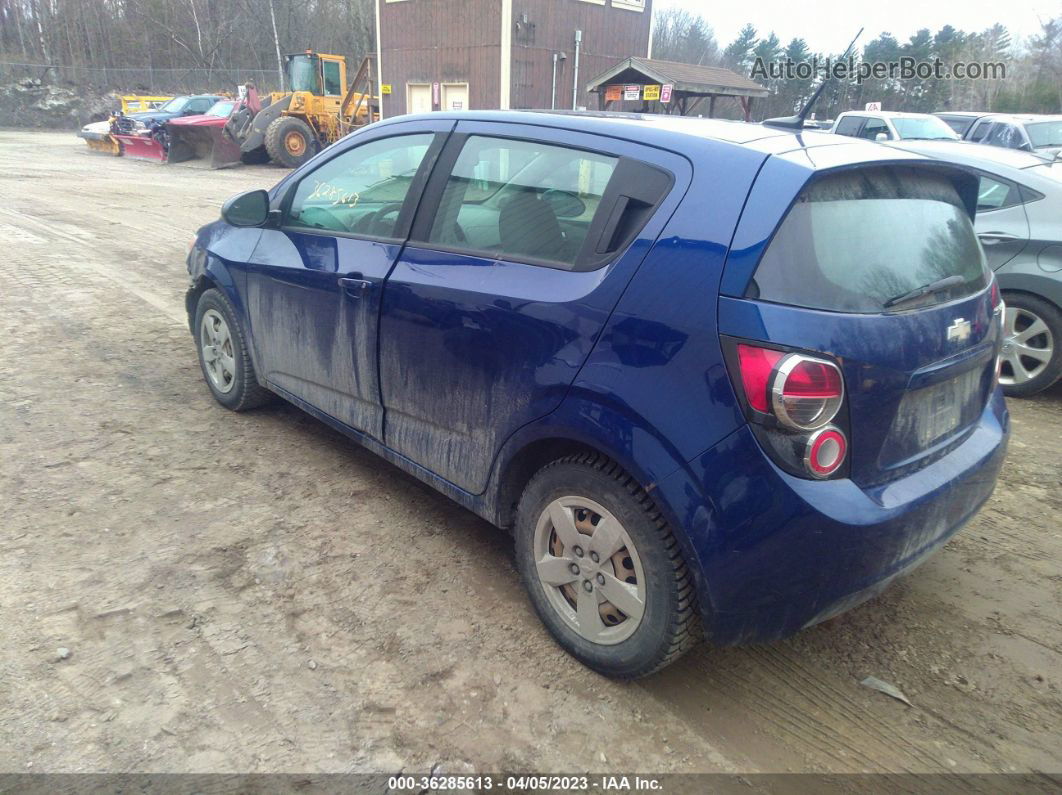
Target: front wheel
{"type": "Point", "coordinates": [223, 354]}
{"type": "Point", "coordinates": [603, 570]}
{"type": "Point", "coordinates": [290, 141]}
{"type": "Point", "coordinates": [1032, 345]}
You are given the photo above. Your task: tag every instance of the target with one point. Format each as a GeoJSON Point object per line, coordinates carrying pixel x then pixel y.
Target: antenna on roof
{"type": "Point", "coordinates": [797, 122]}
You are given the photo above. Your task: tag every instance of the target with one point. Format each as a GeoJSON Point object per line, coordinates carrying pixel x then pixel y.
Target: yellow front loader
{"type": "Point", "coordinates": [292, 126]}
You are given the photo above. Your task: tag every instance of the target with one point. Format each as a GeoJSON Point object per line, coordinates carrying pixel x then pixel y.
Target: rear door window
{"type": "Point", "coordinates": [521, 199]}
{"type": "Point", "coordinates": [873, 127]}
{"type": "Point", "coordinates": [849, 125]}
{"type": "Point", "coordinates": [856, 240]}
{"type": "Point", "coordinates": [980, 131]}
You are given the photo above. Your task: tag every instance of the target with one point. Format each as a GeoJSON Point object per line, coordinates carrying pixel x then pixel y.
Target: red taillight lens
{"type": "Point", "coordinates": [806, 393]}
{"type": "Point", "coordinates": [997, 299]}
{"type": "Point", "coordinates": [826, 450]}
{"type": "Point", "coordinates": [756, 365]}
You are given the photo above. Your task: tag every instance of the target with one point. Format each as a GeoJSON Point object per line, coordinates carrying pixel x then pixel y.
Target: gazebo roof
{"type": "Point", "coordinates": [686, 77]}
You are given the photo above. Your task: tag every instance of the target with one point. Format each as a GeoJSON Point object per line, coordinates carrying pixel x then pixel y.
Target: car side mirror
{"type": "Point", "coordinates": [881, 137]}
{"type": "Point", "coordinates": [247, 209]}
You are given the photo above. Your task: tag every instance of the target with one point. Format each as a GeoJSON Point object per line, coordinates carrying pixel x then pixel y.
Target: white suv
{"type": "Point", "coordinates": [892, 126]}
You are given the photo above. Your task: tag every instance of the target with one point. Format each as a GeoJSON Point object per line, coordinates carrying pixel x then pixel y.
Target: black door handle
{"type": "Point", "coordinates": [355, 288]}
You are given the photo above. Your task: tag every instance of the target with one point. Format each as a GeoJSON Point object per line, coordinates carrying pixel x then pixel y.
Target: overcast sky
{"type": "Point", "coordinates": [828, 25]}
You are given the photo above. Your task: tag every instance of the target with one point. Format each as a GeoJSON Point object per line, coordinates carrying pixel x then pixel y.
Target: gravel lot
{"type": "Point", "coordinates": [256, 593]}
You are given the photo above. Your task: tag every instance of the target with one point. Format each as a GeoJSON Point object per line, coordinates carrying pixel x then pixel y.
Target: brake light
{"type": "Point", "coordinates": [997, 299]}
{"type": "Point", "coordinates": [805, 392]}
{"type": "Point", "coordinates": [757, 364]}
{"type": "Point", "coordinates": [792, 400]}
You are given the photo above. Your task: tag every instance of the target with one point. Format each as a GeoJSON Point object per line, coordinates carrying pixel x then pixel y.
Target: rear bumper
{"type": "Point", "coordinates": [775, 553]}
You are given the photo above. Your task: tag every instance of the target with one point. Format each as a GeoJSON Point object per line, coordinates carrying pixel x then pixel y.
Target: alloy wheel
{"type": "Point", "coordinates": [215, 341]}
{"type": "Point", "coordinates": [1028, 346]}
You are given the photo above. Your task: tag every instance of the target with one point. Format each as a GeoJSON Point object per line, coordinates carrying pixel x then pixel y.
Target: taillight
{"type": "Point", "coordinates": [999, 313]}
{"type": "Point", "coordinates": [795, 402]}
{"type": "Point", "coordinates": [806, 393]}
{"type": "Point", "coordinates": [757, 364]}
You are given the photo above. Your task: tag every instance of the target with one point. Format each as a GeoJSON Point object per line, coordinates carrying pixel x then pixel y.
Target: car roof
{"type": "Point", "coordinates": [1026, 118]}
{"type": "Point", "coordinates": [965, 114]}
{"type": "Point", "coordinates": [682, 133]}
{"type": "Point", "coordinates": [973, 154]}
{"type": "Point", "coordinates": [889, 114]}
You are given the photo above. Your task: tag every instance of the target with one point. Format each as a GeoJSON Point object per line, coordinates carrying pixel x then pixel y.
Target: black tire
{"type": "Point", "coordinates": [1052, 318]}
{"type": "Point", "coordinates": [244, 392]}
{"type": "Point", "coordinates": [281, 132]}
{"type": "Point", "coordinates": [670, 624]}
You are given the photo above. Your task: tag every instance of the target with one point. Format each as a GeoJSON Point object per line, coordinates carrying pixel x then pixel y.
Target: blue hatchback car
{"type": "Point", "coordinates": [710, 374]}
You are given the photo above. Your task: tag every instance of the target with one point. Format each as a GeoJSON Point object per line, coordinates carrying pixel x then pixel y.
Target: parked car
{"type": "Point", "coordinates": [1039, 134]}
{"type": "Point", "coordinates": [178, 106]}
{"type": "Point", "coordinates": [709, 374]}
{"type": "Point", "coordinates": [891, 126]}
{"type": "Point", "coordinates": [1019, 222]}
{"type": "Point", "coordinates": [961, 120]}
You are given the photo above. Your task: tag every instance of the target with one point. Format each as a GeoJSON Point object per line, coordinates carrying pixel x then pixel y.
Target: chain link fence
{"type": "Point", "coordinates": [141, 79]}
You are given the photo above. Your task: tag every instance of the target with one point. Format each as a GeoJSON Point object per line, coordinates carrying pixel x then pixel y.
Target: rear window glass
{"type": "Point", "coordinates": [858, 240]}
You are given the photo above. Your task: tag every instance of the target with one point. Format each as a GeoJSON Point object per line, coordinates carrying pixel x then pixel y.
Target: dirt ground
{"type": "Point", "coordinates": [256, 593]}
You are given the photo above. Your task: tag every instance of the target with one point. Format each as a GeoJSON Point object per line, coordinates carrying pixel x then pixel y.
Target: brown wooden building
{"type": "Point", "coordinates": [489, 54]}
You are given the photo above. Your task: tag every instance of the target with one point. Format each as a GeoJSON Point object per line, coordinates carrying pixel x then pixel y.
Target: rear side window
{"type": "Point", "coordinates": [849, 125]}
{"type": "Point", "coordinates": [996, 194]}
{"type": "Point", "coordinates": [855, 240]}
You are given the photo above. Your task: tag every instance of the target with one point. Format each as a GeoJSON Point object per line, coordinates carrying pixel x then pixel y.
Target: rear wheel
{"type": "Point", "coordinates": [1032, 345]}
{"type": "Point", "coordinates": [290, 141]}
{"type": "Point", "coordinates": [603, 570]}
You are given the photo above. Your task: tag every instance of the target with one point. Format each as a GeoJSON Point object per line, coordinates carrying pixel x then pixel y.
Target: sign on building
{"type": "Point", "coordinates": [665, 93]}
{"type": "Point", "coordinates": [651, 92]}
{"type": "Point", "coordinates": [632, 92]}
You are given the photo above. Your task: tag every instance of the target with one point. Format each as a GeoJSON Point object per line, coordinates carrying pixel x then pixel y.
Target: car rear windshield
{"type": "Point", "coordinates": [859, 240]}
{"type": "Point", "coordinates": [929, 127]}
{"type": "Point", "coordinates": [1045, 133]}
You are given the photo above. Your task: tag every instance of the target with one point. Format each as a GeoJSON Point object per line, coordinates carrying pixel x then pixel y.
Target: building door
{"type": "Point", "coordinates": [455, 96]}
{"type": "Point", "coordinates": [418, 97]}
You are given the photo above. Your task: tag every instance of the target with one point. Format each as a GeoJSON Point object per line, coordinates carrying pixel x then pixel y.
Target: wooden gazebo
{"type": "Point", "coordinates": [651, 86]}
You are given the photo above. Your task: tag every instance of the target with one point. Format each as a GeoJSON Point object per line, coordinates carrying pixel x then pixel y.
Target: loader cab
{"type": "Point", "coordinates": [317, 74]}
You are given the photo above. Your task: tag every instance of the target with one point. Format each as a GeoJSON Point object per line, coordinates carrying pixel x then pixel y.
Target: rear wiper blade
{"type": "Point", "coordinates": [926, 289]}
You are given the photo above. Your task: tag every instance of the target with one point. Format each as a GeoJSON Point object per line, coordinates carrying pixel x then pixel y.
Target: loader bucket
{"type": "Point", "coordinates": [202, 145]}
{"type": "Point", "coordinates": [142, 147]}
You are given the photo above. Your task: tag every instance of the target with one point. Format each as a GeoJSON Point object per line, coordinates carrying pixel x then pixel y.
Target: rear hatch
{"type": "Point", "coordinates": [877, 268]}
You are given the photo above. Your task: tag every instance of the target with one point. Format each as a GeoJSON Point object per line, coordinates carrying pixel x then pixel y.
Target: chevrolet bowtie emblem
{"type": "Point", "coordinates": [959, 331]}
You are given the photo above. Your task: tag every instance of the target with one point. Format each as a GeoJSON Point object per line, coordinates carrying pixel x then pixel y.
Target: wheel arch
{"type": "Point", "coordinates": [583, 423]}
{"type": "Point", "coordinates": [1044, 286]}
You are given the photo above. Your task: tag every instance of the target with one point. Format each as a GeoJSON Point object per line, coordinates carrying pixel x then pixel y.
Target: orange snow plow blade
{"type": "Point", "coordinates": [207, 145]}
